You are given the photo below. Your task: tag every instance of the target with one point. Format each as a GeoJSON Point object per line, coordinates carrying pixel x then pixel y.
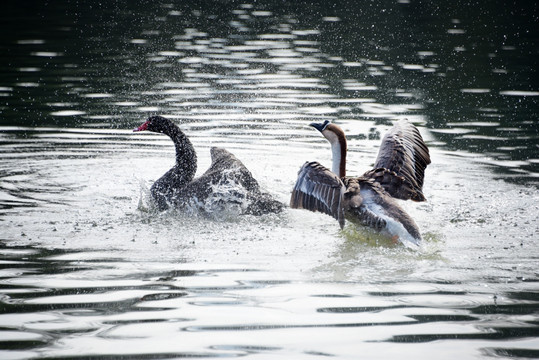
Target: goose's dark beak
{"type": "Point", "coordinates": [320, 126]}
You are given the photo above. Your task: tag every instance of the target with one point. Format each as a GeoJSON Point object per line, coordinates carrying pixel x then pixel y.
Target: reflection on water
{"type": "Point", "coordinates": [59, 303]}
{"type": "Point", "coordinates": [469, 81]}
{"type": "Point", "coordinates": [89, 270]}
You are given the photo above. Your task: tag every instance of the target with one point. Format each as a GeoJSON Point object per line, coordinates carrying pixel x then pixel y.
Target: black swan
{"type": "Point", "coordinates": [368, 199]}
{"type": "Point", "coordinates": [226, 183]}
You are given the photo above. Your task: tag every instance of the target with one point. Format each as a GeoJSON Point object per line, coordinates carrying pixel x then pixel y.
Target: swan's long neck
{"type": "Point", "coordinates": [337, 139]}
{"type": "Point", "coordinates": [186, 158]}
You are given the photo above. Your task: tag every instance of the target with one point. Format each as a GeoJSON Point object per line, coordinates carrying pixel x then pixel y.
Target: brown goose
{"type": "Point", "coordinates": [368, 199]}
{"type": "Point", "coordinates": [226, 182]}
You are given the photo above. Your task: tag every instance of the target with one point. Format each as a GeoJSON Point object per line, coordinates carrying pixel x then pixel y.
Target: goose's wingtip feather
{"type": "Point", "coordinates": [318, 189]}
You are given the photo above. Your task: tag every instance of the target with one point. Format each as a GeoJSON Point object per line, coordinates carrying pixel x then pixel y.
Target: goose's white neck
{"type": "Point", "coordinates": [336, 138]}
{"type": "Point", "coordinates": [336, 158]}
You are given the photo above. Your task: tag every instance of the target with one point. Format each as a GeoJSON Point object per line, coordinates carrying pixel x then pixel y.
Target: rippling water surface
{"type": "Point", "coordinates": [89, 269]}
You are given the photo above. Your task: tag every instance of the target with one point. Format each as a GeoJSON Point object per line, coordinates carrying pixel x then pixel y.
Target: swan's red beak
{"type": "Point", "coordinates": [142, 127]}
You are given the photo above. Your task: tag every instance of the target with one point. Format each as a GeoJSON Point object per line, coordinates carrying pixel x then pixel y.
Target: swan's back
{"type": "Point", "coordinates": [227, 183]}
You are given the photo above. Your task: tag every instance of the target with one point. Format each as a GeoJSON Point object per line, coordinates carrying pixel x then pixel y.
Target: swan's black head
{"type": "Point", "coordinates": [320, 126]}
{"type": "Point", "coordinates": [157, 124]}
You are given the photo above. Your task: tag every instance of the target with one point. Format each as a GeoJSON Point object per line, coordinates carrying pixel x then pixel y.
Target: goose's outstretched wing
{"type": "Point", "coordinates": [401, 162]}
{"type": "Point", "coordinates": [318, 189]}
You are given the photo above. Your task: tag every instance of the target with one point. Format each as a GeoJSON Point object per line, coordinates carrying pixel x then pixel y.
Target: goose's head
{"type": "Point", "coordinates": [333, 133]}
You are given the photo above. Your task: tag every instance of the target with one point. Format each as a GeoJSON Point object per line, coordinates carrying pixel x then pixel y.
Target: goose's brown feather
{"type": "Point", "coordinates": [401, 162]}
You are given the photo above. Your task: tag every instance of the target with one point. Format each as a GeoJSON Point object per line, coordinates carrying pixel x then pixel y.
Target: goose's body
{"type": "Point", "coordinates": [226, 182]}
{"type": "Point", "coordinates": [368, 199]}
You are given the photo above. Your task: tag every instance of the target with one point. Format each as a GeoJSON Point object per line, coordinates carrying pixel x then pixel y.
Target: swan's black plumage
{"type": "Point", "coordinates": [226, 175]}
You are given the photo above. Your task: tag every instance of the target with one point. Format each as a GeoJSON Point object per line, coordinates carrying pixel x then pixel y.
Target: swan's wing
{"type": "Point", "coordinates": [225, 172]}
{"type": "Point", "coordinates": [318, 189]}
{"type": "Point", "coordinates": [225, 166]}
{"type": "Point", "coordinates": [401, 162]}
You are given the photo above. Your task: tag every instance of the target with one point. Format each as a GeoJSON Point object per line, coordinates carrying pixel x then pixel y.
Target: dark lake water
{"type": "Point", "coordinates": [88, 269]}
